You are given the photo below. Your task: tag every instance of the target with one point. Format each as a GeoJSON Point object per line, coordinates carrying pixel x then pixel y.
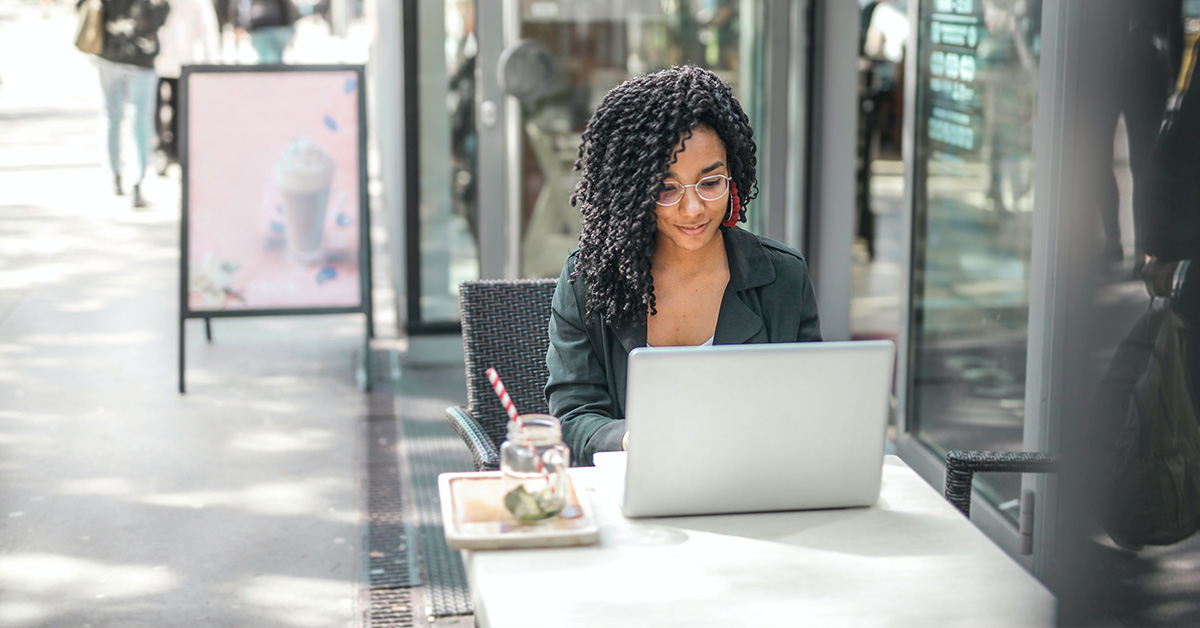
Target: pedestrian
{"type": "Point", "coordinates": [270, 23]}
{"type": "Point", "coordinates": [126, 69]}
{"type": "Point", "coordinates": [190, 36]}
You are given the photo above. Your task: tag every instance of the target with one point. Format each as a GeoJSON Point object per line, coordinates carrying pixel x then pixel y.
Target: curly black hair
{"type": "Point", "coordinates": [628, 147]}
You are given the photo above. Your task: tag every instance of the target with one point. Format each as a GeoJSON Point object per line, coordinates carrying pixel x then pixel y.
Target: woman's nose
{"type": "Point", "coordinates": [691, 204]}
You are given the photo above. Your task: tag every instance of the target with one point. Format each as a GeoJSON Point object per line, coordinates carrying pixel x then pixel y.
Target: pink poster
{"type": "Point", "coordinates": [273, 203]}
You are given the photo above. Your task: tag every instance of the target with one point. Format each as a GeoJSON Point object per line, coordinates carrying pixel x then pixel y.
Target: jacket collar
{"type": "Point", "coordinates": [749, 268]}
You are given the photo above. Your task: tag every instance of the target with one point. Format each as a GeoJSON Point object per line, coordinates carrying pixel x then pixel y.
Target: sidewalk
{"type": "Point", "coordinates": [122, 502]}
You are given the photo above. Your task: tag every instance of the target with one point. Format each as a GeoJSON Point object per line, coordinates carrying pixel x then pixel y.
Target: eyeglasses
{"type": "Point", "coordinates": [710, 188]}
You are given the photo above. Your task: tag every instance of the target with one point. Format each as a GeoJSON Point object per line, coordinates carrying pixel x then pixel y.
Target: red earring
{"type": "Point", "coordinates": [735, 206]}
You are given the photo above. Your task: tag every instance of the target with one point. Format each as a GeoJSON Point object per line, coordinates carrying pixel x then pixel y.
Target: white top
{"type": "Point", "coordinates": [706, 343]}
{"type": "Point", "coordinates": [910, 560]}
{"type": "Point", "coordinates": [190, 36]}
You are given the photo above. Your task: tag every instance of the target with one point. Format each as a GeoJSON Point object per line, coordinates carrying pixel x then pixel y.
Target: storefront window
{"type": "Point", "coordinates": [594, 46]}
{"type": "Point", "coordinates": [973, 207]}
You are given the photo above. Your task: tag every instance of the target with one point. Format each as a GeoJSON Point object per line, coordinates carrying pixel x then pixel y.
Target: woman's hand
{"type": "Point", "coordinates": [1159, 277]}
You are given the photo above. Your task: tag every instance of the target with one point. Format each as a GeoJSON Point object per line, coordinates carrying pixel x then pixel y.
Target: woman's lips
{"type": "Point", "coordinates": [693, 230]}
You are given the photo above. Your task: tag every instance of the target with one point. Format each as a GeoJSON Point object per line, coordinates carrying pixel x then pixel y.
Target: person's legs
{"type": "Point", "coordinates": [270, 43]}
{"type": "Point", "coordinates": [1147, 83]}
{"type": "Point", "coordinates": [264, 46]}
{"type": "Point", "coordinates": [114, 81]}
{"type": "Point", "coordinates": [283, 38]}
{"type": "Point", "coordinates": [141, 100]}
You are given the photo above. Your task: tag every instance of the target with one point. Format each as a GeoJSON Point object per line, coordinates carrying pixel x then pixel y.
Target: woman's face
{"type": "Point", "coordinates": [693, 223]}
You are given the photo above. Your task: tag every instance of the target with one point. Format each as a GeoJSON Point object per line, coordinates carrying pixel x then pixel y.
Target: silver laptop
{"type": "Point", "coordinates": [754, 428]}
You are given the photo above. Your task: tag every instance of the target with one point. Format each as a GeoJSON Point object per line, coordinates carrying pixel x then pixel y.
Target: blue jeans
{"type": "Point", "coordinates": [270, 42]}
{"type": "Point", "coordinates": [129, 86]}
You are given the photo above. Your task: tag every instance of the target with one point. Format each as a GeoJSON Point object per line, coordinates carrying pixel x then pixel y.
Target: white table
{"type": "Point", "coordinates": [911, 560]}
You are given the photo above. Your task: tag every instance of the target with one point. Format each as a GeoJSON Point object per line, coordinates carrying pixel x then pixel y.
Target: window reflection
{"type": "Point", "coordinates": [597, 45]}
{"type": "Point", "coordinates": [973, 209]}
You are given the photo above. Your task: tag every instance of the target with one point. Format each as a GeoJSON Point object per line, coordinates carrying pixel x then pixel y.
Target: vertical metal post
{"type": "Point", "coordinates": [182, 337]}
{"type": "Point", "coordinates": [513, 136]}
{"type": "Point", "coordinates": [799, 98]}
{"type": "Point", "coordinates": [364, 244]}
{"type": "Point", "coordinates": [775, 132]}
{"type": "Point", "coordinates": [904, 422]}
{"type": "Point", "coordinates": [830, 240]}
{"type": "Point", "coordinates": [184, 163]}
{"type": "Point", "coordinates": [490, 107]}
{"type": "Point", "coordinates": [410, 132]}
{"type": "Point", "coordinates": [1057, 344]}
{"type": "Point", "coordinates": [367, 355]}
{"type": "Point", "coordinates": [388, 121]}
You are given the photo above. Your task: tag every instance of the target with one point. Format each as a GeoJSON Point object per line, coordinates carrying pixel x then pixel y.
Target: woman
{"type": "Point", "coordinates": [126, 68]}
{"type": "Point", "coordinates": [667, 170]}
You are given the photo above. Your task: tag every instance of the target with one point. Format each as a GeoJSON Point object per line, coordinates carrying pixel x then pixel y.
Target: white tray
{"type": "Point", "coordinates": [474, 517]}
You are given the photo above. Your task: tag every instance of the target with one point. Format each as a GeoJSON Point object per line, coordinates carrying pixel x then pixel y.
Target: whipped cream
{"type": "Point", "coordinates": [304, 167]}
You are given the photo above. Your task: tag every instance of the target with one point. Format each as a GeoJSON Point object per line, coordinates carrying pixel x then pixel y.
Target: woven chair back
{"type": "Point", "coordinates": [505, 325]}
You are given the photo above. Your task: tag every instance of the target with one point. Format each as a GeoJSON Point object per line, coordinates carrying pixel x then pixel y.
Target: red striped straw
{"type": "Point", "coordinates": [507, 401]}
{"type": "Point", "coordinates": [511, 409]}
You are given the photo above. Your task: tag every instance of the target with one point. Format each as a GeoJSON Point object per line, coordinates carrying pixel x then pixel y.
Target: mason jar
{"type": "Point", "coordinates": [535, 493]}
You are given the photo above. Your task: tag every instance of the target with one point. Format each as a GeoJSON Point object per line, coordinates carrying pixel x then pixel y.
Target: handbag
{"type": "Point", "coordinates": [89, 31]}
{"type": "Point", "coordinates": [1147, 489]}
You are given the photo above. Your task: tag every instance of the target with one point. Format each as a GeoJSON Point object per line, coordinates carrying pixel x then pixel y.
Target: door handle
{"type": "Point", "coordinates": [489, 114]}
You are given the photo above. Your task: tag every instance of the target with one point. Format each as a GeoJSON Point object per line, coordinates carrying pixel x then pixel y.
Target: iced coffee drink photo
{"type": "Point", "coordinates": [303, 175]}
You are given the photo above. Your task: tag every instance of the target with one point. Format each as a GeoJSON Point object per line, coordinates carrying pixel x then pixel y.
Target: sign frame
{"type": "Point", "coordinates": [363, 258]}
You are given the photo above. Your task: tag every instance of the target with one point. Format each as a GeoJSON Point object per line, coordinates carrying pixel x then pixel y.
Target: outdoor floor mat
{"type": "Point", "coordinates": [431, 446]}
{"type": "Point", "coordinates": [389, 608]}
{"type": "Point", "coordinates": [390, 558]}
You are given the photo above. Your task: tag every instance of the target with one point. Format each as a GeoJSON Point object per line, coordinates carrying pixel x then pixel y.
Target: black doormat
{"type": "Point", "coordinates": [431, 446]}
{"type": "Point", "coordinates": [390, 557]}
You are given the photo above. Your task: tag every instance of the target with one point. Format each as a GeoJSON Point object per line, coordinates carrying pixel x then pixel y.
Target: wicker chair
{"type": "Point", "coordinates": [505, 325]}
{"type": "Point", "coordinates": [961, 467]}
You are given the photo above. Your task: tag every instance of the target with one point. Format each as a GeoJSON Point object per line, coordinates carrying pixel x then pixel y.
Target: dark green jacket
{"type": "Point", "coordinates": [769, 298]}
{"type": "Point", "coordinates": [131, 30]}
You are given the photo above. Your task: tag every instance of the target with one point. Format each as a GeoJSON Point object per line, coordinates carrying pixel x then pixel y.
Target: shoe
{"type": "Point", "coordinates": [138, 201]}
{"type": "Point", "coordinates": [1124, 544]}
{"type": "Point", "coordinates": [117, 189]}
